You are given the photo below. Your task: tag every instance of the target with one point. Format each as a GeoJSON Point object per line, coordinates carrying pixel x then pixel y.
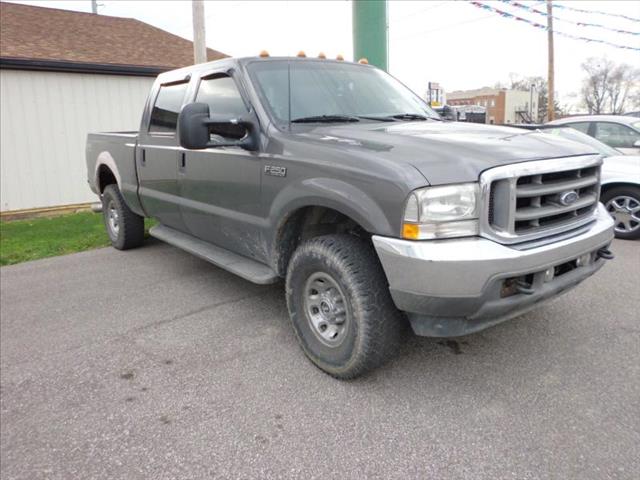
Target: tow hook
{"type": "Point", "coordinates": [605, 253]}
{"type": "Point", "coordinates": [523, 287]}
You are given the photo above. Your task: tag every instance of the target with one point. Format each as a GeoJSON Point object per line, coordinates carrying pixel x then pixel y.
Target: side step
{"type": "Point", "coordinates": [244, 267]}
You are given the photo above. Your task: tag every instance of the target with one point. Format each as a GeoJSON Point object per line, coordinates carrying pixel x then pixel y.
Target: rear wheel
{"type": "Point", "coordinates": [340, 306]}
{"type": "Point", "coordinates": [623, 204]}
{"type": "Point", "coordinates": [125, 228]}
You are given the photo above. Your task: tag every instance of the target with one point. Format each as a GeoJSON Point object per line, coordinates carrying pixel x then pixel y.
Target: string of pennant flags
{"type": "Point", "coordinates": [531, 9]}
{"type": "Point", "coordinates": [595, 12]}
{"type": "Point", "coordinates": [511, 16]}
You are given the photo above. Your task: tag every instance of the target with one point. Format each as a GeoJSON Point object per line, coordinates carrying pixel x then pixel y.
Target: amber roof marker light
{"type": "Point", "coordinates": [340, 58]}
{"type": "Point", "coordinates": [363, 61]}
{"type": "Point", "coordinates": [264, 54]}
{"type": "Point", "coordinates": [322, 55]}
{"type": "Point", "coordinates": [301, 54]}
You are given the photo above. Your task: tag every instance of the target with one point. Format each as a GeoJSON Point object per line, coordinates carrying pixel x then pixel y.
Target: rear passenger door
{"type": "Point", "coordinates": [220, 187]}
{"type": "Point", "coordinates": [157, 156]}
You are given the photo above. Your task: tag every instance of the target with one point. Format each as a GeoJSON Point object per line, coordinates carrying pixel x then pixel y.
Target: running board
{"type": "Point", "coordinates": [242, 266]}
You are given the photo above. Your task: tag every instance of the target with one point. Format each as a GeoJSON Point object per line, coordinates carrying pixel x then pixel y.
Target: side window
{"type": "Point", "coordinates": [164, 116]}
{"type": "Point", "coordinates": [581, 126]}
{"type": "Point", "coordinates": [616, 135]}
{"type": "Point", "coordinates": [222, 95]}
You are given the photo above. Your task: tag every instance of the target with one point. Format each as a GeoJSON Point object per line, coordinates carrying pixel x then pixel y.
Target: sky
{"type": "Point", "coordinates": [453, 43]}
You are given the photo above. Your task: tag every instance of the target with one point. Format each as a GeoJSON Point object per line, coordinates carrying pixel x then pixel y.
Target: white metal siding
{"type": "Point", "coordinates": [44, 121]}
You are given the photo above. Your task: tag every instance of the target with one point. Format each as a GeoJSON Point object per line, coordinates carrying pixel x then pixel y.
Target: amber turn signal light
{"type": "Point", "coordinates": [410, 231]}
{"type": "Point", "coordinates": [363, 61]}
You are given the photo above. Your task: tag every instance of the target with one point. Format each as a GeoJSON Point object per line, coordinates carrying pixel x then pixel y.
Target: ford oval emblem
{"type": "Point", "coordinates": [568, 198]}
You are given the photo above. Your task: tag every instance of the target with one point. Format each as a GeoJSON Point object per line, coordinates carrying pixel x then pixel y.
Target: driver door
{"type": "Point", "coordinates": [220, 187]}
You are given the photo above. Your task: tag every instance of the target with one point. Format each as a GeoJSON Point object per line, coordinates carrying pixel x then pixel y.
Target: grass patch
{"type": "Point", "coordinates": [24, 240]}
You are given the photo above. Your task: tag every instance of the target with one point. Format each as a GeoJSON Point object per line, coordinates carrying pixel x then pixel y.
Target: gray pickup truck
{"type": "Point", "coordinates": [335, 177]}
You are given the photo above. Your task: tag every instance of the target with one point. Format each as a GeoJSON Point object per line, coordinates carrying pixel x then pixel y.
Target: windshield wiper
{"type": "Point", "coordinates": [326, 119]}
{"type": "Point", "coordinates": [408, 116]}
{"type": "Point", "coordinates": [378, 119]}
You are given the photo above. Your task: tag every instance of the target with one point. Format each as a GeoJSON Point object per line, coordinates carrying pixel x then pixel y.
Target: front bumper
{"type": "Point", "coordinates": [459, 286]}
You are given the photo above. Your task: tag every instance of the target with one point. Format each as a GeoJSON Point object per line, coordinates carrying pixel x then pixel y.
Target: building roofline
{"type": "Point", "coordinates": [81, 67]}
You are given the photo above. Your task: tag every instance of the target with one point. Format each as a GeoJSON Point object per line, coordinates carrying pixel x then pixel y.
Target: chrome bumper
{"type": "Point", "coordinates": [455, 287]}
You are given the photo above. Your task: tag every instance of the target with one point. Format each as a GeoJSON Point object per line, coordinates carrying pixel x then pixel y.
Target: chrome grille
{"type": "Point", "coordinates": [531, 200]}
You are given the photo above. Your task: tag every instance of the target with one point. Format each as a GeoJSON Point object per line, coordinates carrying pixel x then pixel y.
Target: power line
{"type": "Point", "coordinates": [504, 14]}
{"type": "Point", "coordinates": [443, 27]}
{"type": "Point", "coordinates": [580, 24]}
{"type": "Point", "coordinates": [595, 12]}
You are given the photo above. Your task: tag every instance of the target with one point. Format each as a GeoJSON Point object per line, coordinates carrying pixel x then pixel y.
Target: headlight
{"type": "Point", "coordinates": [441, 212]}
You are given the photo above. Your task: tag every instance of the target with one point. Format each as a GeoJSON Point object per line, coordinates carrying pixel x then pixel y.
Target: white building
{"type": "Point", "coordinates": [64, 74]}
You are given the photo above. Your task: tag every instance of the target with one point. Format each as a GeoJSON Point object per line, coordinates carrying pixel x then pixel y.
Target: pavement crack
{"type": "Point", "coordinates": [190, 313]}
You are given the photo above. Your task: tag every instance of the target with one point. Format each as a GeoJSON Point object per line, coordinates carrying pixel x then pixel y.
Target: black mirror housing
{"type": "Point", "coordinates": [195, 124]}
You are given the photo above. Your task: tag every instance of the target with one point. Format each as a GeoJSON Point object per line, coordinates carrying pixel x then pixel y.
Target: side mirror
{"type": "Point", "coordinates": [195, 126]}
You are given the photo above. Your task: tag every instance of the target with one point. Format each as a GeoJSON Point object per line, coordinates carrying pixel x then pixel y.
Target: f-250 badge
{"type": "Point", "coordinates": [275, 171]}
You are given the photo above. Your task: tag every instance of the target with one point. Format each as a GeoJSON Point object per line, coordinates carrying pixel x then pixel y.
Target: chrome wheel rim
{"type": "Point", "coordinates": [625, 211]}
{"type": "Point", "coordinates": [326, 310]}
{"type": "Point", "coordinates": [113, 218]}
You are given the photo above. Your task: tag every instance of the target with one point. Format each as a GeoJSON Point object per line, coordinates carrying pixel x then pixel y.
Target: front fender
{"type": "Point", "coordinates": [337, 195]}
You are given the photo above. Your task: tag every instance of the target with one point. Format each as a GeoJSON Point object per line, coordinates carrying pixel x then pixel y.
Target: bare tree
{"type": "Point", "coordinates": [608, 87]}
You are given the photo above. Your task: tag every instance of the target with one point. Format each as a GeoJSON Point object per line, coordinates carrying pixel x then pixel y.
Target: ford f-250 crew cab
{"type": "Point", "coordinates": [337, 178]}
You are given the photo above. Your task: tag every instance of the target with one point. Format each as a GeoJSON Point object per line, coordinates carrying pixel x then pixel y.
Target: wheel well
{"type": "Point", "coordinates": [609, 186]}
{"type": "Point", "coordinates": [105, 177]}
{"type": "Point", "coordinates": [310, 222]}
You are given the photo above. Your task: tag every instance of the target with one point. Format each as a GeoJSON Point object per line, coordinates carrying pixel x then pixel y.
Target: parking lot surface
{"type": "Point", "coordinates": [154, 364]}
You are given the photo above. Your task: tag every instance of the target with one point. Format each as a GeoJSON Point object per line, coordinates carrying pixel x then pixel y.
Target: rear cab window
{"type": "Point", "coordinates": [164, 115]}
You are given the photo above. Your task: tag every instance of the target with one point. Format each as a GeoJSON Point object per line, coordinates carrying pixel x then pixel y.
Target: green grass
{"type": "Point", "coordinates": [24, 240]}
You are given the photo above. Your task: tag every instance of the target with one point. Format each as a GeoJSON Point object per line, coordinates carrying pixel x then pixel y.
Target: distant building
{"type": "Point", "coordinates": [64, 74]}
{"type": "Point", "coordinates": [502, 105]}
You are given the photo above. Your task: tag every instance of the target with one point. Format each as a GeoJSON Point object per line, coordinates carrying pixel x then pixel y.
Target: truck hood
{"type": "Point", "coordinates": [445, 152]}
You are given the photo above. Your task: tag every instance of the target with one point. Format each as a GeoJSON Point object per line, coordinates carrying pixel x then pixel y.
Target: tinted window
{"type": "Point", "coordinates": [582, 126]}
{"type": "Point", "coordinates": [616, 135]}
{"type": "Point", "coordinates": [164, 116]}
{"type": "Point", "coordinates": [222, 95]}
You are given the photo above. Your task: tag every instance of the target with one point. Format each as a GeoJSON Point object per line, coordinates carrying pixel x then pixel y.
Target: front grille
{"type": "Point", "coordinates": [535, 199]}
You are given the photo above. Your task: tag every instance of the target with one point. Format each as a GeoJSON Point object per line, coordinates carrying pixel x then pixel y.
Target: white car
{"type": "Point", "coordinates": [621, 132]}
{"type": "Point", "coordinates": [620, 182]}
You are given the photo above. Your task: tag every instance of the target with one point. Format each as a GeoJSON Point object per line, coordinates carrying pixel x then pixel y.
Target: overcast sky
{"type": "Point", "coordinates": [450, 42]}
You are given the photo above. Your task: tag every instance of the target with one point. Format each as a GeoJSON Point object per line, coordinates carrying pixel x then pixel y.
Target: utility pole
{"type": "Point", "coordinates": [551, 110]}
{"type": "Point", "coordinates": [199, 42]}
{"type": "Point", "coordinates": [94, 6]}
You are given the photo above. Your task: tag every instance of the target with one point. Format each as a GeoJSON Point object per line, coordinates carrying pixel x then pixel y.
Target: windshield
{"type": "Point", "coordinates": [296, 90]}
{"type": "Point", "coordinates": [577, 136]}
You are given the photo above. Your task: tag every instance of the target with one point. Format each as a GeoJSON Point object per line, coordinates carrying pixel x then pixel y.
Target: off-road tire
{"type": "Point", "coordinates": [130, 231]}
{"type": "Point", "coordinates": [376, 327]}
{"type": "Point", "coordinates": [628, 191]}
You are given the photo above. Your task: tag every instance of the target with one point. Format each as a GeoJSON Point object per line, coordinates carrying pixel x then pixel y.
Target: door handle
{"type": "Point", "coordinates": [143, 157]}
{"type": "Point", "coordinates": [183, 160]}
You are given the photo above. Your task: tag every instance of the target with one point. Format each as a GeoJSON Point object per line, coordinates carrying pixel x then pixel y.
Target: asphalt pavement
{"type": "Point", "coordinates": [154, 364]}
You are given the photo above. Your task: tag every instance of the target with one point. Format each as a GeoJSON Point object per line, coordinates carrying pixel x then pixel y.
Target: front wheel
{"type": "Point", "coordinates": [623, 204]}
{"type": "Point", "coordinates": [340, 306]}
{"type": "Point", "coordinates": [124, 227]}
